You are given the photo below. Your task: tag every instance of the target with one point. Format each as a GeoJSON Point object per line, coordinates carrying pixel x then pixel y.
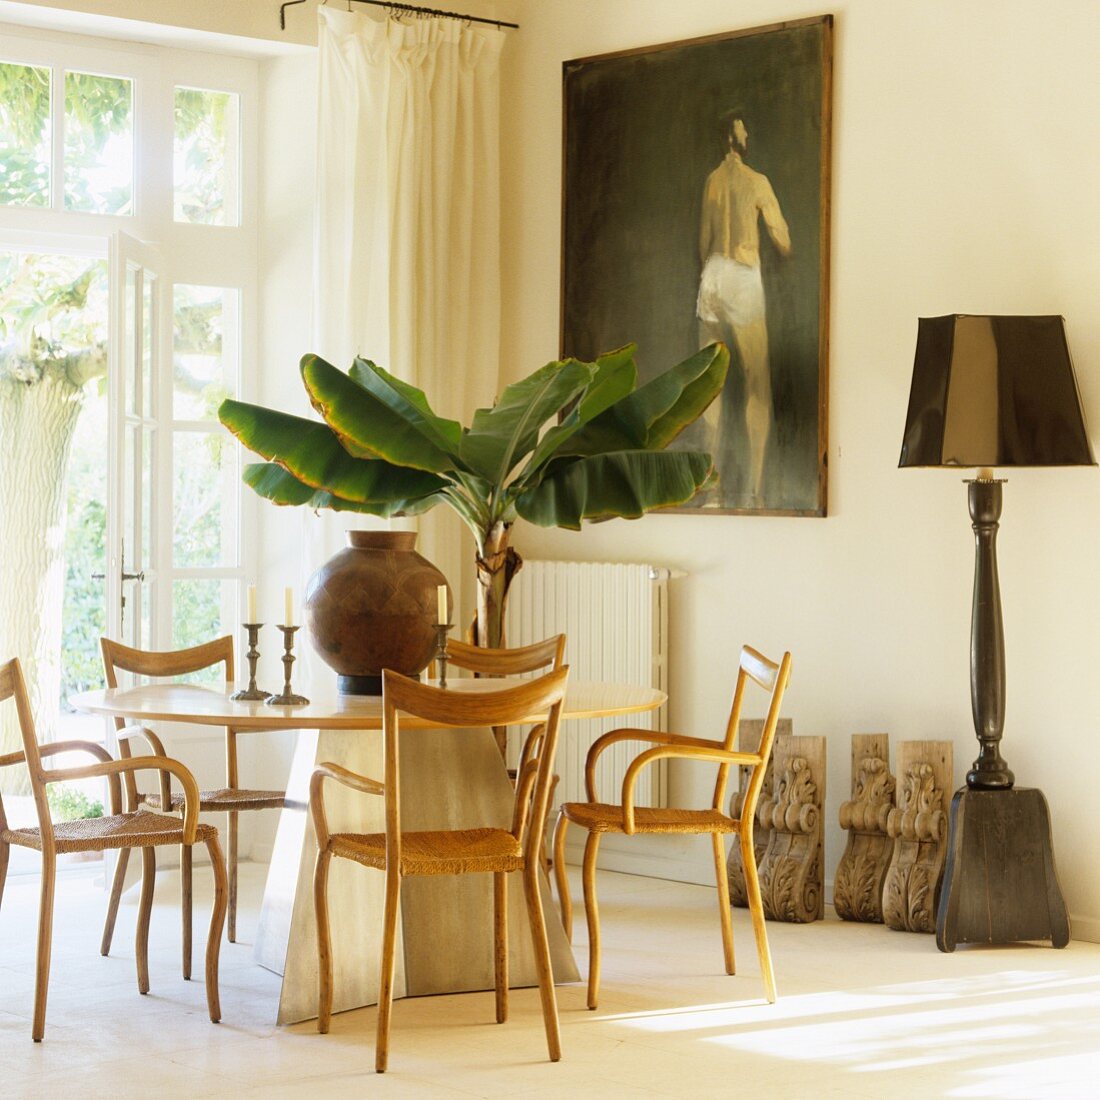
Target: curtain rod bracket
{"type": "Point", "coordinates": [393, 7]}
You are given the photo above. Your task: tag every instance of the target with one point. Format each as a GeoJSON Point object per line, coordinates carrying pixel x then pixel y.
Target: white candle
{"type": "Point", "coordinates": [288, 611]}
{"type": "Point", "coordinates": [441, 604]}
{"type": "Point", "coordinates": [251, 603]}
{"type": "Point", "coordinates": [985, 474]}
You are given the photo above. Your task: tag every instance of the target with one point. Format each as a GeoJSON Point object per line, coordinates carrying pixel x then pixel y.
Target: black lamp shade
{"type": "Point", "coordinates": [994, 391]}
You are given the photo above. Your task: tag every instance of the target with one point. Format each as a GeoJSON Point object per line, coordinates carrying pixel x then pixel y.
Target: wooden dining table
{"type": "Point", "coordinates": [449, 779]}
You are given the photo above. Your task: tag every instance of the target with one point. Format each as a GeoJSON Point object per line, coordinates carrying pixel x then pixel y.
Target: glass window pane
{"type": "Point", "coordinates": [203, 610]}
{"type": "Point", "coordinates": [99, 144]}
{"type": "Point", "coordinates": [129, 350]}
{"type": "Point", "coordinates": [148, 498]}
{"type": "Point", "coordinates": [24, 135]}
{"type": "Point", "coordinates": [205, 496]}
{"type": "Point", "coordinates": [206, 157]}
{"type": "Point", "coordinates": [205, 356]}
{"type": "Point", "coordinates": [147, 379]}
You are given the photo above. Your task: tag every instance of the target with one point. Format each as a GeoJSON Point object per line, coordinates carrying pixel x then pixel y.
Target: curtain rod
{"type": "Point", "coordinates": [404, 7]}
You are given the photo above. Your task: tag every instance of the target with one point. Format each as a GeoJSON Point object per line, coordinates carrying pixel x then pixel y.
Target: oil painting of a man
{"type": "Point", "coordinates": [695, 209]}
{"type": "Point", "coordinates": [730, 306]}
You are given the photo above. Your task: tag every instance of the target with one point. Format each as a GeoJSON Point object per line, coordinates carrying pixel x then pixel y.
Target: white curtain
{"type": "Point", "coordinates": [408, 245]}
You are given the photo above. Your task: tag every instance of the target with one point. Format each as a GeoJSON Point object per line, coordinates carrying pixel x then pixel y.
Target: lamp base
{"type": "Point", "coordinates": [999, 883]}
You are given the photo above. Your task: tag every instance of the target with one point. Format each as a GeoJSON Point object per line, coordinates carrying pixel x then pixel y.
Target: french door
{"type": "Point", "coordinates": [137, 335]}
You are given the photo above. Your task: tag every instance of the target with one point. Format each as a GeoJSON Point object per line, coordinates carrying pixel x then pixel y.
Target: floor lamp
{"type": "Point", "coordinates": [993, 392]}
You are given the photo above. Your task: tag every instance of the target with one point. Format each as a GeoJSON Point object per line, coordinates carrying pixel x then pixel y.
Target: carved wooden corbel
{"type": "Point", "coordinates": [792, 870]}
{"type": "Point", "coordinates": [748, 740]}
{"type": "Point", "coordinates": [861, 873]}
{"type": "Point", "coordinates": [918, 827]}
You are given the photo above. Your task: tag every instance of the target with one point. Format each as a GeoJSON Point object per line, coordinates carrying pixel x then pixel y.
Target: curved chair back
{"type": "Point", "coordinates": [549, 653]}
{"type": "Point", "coordinates": [536, 701]}
{"type": "Point", "coordinates": [754, 668]}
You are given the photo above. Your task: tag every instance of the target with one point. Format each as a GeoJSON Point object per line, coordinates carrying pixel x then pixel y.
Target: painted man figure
{"type": "Point", "coordinates": [730, 306]}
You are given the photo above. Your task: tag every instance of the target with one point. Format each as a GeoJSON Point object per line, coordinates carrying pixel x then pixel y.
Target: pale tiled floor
{"type": "Point", "coordinates": [863, 1012]}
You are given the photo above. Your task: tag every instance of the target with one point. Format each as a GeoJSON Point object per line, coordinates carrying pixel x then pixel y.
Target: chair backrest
{"type": "Point", "coordinates": [13, 686]}
{"type": "Point", "coordinates": [754, 669]}
{"type": "Point", "coordinates": [536, 701]}
{"type": "Point", "coordinates": [164, 663]}
{"type": "Point", "coordinates": [549, 653]}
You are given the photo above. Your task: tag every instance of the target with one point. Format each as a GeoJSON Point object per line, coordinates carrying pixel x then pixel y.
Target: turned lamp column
{"type": "Point", "coordinates": [987, 639]}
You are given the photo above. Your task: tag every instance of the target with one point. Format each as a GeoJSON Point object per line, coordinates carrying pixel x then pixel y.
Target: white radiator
{"type": "Point", "coordinates": [615, 620]}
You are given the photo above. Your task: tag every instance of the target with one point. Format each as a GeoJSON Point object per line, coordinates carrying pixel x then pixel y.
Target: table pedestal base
{"type": "Point", "coordinates": [999, 882]}
{"type": "Point", "coordinates": [450, 779]}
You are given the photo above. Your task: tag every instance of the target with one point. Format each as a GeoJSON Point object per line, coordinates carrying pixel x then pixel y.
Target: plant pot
{"type": "Point", "coordinates": [373, 606]}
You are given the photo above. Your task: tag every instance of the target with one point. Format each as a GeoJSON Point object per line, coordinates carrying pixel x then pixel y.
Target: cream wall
{"type": "Point", "coordinates": [965, 177]}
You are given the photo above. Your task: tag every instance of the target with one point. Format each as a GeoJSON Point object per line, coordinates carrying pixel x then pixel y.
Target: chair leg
{"type": "Point", "coordinates": [45, 940]}
{"type": "Point", "coordinates": [723, 900]}
{"type": "Point", "coordinates": [564, 900]}
{"type": "Point", "coordinates": [217, 922]}
{"type": "Point", "coordinates": [500, 942]}
{"type": "Point", "coordinates": [145, 909]}
{"type": "Point", "coordinates": [185, 906]}
{"type": "Point", "coordinates": [5, 851]}
{"type": "Point", "coordinates": [537, 920]}
{"type": "Point", "coordinates": [117, 885]}
{"type": "Point", "coordinates": [231, 930]}
{"type": "Point", "coordinates": [592, 913]}
{"type": "Point", "coordinates": [389, 946]}
{"type": "Point", "coordinates": [756, 910]}
{"type": "Point", "coordinates": [324, 941]}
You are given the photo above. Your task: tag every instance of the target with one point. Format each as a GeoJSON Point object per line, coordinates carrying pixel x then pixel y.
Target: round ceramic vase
{"type": "Point", "coordinates": [373, 606]}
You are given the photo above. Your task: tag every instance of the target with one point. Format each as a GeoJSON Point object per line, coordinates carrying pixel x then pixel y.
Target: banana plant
{"type": "Point", "coordinates": [572, 442]}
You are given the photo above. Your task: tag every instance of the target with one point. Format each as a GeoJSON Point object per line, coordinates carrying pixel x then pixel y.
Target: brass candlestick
{"type": "Point", "coordinates": [441, 631]}
{"type": "Point", "coordinates": [287, 698]}
{"type": "Point", "coordinates": [251, 693]}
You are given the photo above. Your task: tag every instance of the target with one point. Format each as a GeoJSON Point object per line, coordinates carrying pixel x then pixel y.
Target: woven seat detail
{"type": "Point", "coordinates": [99, 834]}
{"type": "Point", "coordinates": [455, 852]}
{"type": "Point", "coordinates": [227, 798]}
{"type": "Point", "coordinates": [599, 817]}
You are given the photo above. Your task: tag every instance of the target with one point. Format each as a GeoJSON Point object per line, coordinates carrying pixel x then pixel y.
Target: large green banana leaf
{"type": "Point", "coordinates": [615, 376]}
{"type": "Point", "coordinates": [656, 412]}
{"type": "Point", "coordinates": [367, 426]}
{"type": "Point", "coordinates": [274, 483]}
{"type": "Point", "coordinates": [409, 403]}
{"type": "Point", "coordinates": [501, 436]}
{"type": "Point", "coordinates": [312, 453]}
{"type": "Point", "coordinates": [626, 484]}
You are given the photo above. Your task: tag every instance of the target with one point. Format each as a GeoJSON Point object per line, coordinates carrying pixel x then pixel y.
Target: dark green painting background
{"type": "Point", "coordinates": [641, 137]}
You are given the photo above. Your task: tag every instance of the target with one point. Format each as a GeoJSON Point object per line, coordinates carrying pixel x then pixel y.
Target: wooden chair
{"type": "Point", "coordinates": [599, 817]}
{"type": "Point", "coordinates": [448, 852]}
{"type": "Point", "coordinates": [230, 799]}
{"type": "Point", "coordinates": [483, 661]}
{"type": "Point", "coordinates": [117, 831]}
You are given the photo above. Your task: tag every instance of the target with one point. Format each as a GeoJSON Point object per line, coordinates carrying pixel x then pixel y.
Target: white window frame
{"type": "Point", "coordinates": [204, 255]}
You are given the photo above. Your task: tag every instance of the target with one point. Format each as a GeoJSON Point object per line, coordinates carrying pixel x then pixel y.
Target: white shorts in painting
{"type": "Point", "coordinates": [730, 292]}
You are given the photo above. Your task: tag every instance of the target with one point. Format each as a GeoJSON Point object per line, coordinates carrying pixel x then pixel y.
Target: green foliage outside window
{"type": "Point", "coordinates": [24, 135]}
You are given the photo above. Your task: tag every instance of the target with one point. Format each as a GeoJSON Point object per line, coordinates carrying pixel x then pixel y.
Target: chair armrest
{"type": "Point", "coordinates": [92, 749]}
{"type": "Point", "coordinates": [140, 763]}
{"type": "Point", "coordinates": [656, 737]}
{"type": "Point", "coordinates": [347, 778]}
{"type": "Point", "coordinates": [128, 734]}
{"type": "Point", "coordinates": [681, 750]}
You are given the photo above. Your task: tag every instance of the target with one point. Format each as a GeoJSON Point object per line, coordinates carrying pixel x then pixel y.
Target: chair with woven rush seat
{"type": "Point", "coordinates": [483, 661]}
{"type": "Point", "coordinates": [600, 817]}
{"type": "Point", "coordinates": [230, 799]}
{"type": "Point", "coordinates": [117, 831]}
{"type": "Point", "coordinates": [497, 851]}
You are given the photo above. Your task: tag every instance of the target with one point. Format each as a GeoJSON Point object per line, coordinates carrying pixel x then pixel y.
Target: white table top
{"type": "Point", "coordinates": [170, 702]}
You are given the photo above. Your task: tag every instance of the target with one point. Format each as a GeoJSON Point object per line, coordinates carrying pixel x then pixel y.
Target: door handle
{"type": "Point", "coordinates": [125, 576]}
